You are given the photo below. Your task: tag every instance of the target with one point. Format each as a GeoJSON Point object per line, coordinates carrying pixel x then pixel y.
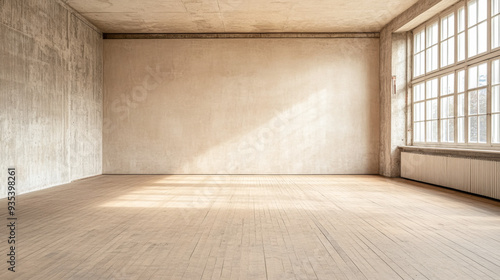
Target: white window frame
{"type": "Point", "coordinates": [488, 56]}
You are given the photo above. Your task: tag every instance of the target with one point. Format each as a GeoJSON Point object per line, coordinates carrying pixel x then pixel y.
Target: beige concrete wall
{"type": "Point", "coordinates": [50, 95]}
{"type": "Point", "coordinates": [241, 106]}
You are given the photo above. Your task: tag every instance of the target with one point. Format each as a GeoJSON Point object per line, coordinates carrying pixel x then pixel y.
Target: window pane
{"type": "Point", "coordinates": [461, 105]}
{"type": "Point", "coordinates": [432, 109]}
{"type": "Point", "coordinates": [461, 81]}
{"type": "Point", "coordinates": [419, 92]}
{"type": "Point", "coordinates": [473, 129]}
{"type": "Point", "coordinates": [448, 84]}
{"type": "Point", "coordinates": [432, 58]}
{"type": "Point", "coordinates": [419, 132]}
{"type": "Point", "coordinates": [422, 62]}
{"type": "Point", "coordinates": [451, 107]}
{"type": "Point", "coordinates": [447, 130]}
{"type": "Point", "coordinates": [495, 99]}
{"type": "Point", "coordinates": [482, 101]}
{"type": "Point", "coordinates": [451, 25]}
{"type": "Point", "coordinates": [482, 40]}
{"type": "Point", "coordinates": [432, 35]}
{"type": "Point", "coordinates": [472, 41]}
{"type": "Point", "coordinates": [444, 28]}
{"type": "Point", "coordinates": [482, 10]}
{"type": "Point", "coordinates": [432, 88]}
{"type": "Point", "coordinates": [448, 26]}
{"type": "Point", "coordinates": [482, 129]}
{"type": "Point", "coordinates": [417, 66]}
{"type": "Point", "coordinates": [495, 32]}
{"type": "Point", "coordinates": [448, 52]}
{"type": "Point", "coordinates": [495, 128]}
{"type": "Point", "coordinates": [451, 130]}
{"type": "Point", "coordinates": [422, 40]}
{"type": "Point", "coordinates": [461, 19]}
{"type": "Point", "coordinates": [495, 72]}
{"type": "Point", "coordinates": [444, 108]}
{"type": "Point", "coordinates": [416, 43]}
{"type": "Point", "coordinates": [444, 53]}
{"type": "Point", "coordinates": [447, 107]}
{"type": "Point", "coordinates": [461, 130]}
{"type": "Point", "coordinates": [419, 42]}
{"type": "Point", "coordinates": [419, 112]}
{"type": "Point", "coordinates": [472, 12]}
{"type": "Point", "coordinates": [483, 75]}
{"type": "Point", "coordinates": [473, 103]}
{"type": "Point", "coordinates": [451, 50]}
{"type": "Point", "coordinates": [444, 86]}
{"type": "Point", "coordinates": [473, 77]}
{"type": "Point", "coordinates": [444, 131]}
{"type": "Point", "coordinates": [461, 47]}
{"type": "Point", "coordinates": [435, 58]}
{"type": "Point", "coordinates": [495, 7]}
{"type": "Point", "coordinates": [431, 127]}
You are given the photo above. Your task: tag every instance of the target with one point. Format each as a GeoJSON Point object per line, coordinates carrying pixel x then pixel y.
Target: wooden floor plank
{"type": "Point", "coordinates": [254, 227]}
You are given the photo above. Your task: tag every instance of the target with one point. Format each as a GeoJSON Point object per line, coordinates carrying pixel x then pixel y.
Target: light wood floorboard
{"type": "Point", "coordinates": [253, 227]}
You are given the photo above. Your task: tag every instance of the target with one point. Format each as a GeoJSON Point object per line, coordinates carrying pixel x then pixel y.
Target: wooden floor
{"type": "Point", "coordinates": [253, 227]}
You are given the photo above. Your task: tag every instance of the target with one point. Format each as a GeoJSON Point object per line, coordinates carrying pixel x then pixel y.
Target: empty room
{"type": "Point", "coordinates": [250, 139]}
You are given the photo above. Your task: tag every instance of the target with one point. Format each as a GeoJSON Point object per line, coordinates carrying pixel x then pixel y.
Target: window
{"type": "Point", "coordinates": [456, 77]}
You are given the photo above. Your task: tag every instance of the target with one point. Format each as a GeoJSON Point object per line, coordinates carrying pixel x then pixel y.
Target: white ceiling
{"type": "Point", "coordinates": [239, 16]}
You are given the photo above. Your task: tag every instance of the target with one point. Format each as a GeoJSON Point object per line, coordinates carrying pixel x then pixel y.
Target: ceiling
{"type": "Point", "coordinates": [239, 16]}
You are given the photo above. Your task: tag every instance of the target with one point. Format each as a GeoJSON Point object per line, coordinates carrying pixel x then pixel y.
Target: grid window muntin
{"type": "Point", "coordinates": [468, 106]}
{"type": "Point", "coordinates": [458, 35]}
{"type": "Point", "coordinates": [460, 68]}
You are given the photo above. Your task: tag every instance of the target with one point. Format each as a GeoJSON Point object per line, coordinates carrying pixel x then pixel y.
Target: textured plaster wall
{"type": "Point", "coordinates": [50, 95]}
{"type": "Point", "coordinates": [392, 101]}
{"type": "Point", "coordinates": [241, 106]}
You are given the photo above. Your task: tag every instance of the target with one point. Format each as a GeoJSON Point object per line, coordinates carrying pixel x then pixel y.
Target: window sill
{"type": "Point", "coordinates": [453, 152]}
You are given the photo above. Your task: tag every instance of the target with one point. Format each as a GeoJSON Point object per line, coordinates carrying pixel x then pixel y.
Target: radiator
{"type": "Point", "coordinates": [470, 175]}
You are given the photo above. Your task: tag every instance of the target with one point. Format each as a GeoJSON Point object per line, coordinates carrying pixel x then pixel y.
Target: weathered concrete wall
{"type": "Point", "coordinates": [50, 94]}
{"type": "Point", "coordinates": [86, 82]}
{"type": "Point", "coordinates": [241, 106]}
{"type": "Point", "coordinates": [392, 101]}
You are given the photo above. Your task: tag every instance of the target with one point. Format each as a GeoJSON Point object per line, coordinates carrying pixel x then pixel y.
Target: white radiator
{"type": "Point", "coordinates": [470, 175]}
